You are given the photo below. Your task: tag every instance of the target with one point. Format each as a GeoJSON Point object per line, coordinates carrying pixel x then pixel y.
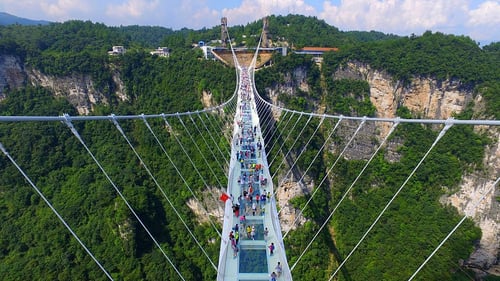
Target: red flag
{"type": "Point", "coordinates": [224, 197]}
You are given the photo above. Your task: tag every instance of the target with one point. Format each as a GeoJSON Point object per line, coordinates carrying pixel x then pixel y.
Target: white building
{"type": "Point", "coordinates": [161, 51]}
{"type": "Point", "coordinates": [117, 50]}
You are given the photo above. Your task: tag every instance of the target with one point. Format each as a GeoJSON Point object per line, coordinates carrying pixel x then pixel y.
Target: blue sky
{"type": "Point", "coordinates": [478, 19]}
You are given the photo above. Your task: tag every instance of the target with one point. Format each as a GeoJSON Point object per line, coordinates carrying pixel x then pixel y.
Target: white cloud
{"type": "Point", "coordinates": [132, 8]}
{"type": "Point", "coordinates": [488, 13]}
{"type": "Point", "coordinates": [395, 16]}
{"type": "Point", "coordinates": [250, 10]}
{"type": "Point", "coordinates": [205, 17]}
{"type": "Point", "coordinates": [62, 9]}
{"type": "Point", "coordinates": [483, 23]}
{"type": "Point", "coordinates": [54, 10]}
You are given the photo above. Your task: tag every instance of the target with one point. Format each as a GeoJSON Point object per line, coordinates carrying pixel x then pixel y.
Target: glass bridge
{"type": "Point", "coordinates": [252, 246]}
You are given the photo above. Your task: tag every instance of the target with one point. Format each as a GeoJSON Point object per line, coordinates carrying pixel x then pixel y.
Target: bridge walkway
{"type": "Point", "coordinates": [251, 209]}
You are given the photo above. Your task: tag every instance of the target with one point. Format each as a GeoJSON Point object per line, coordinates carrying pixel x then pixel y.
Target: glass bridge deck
{"type": "Point", "coordinates": [251, 211]}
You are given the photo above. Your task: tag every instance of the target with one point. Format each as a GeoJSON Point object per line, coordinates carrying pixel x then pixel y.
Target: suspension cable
{"type": "Point", "coordinates": [454, 229]}
{"type": "Point", "coordinates": [272, 132]}
{"type": "Point", "coordinates": [285, 140]}
{"type": "Point", "coordinates": [77, 135]}
{"type": "Point", "coordinates": [206, 142]}
{"type": "Point", "coordinates": [310, 165]}
{"type": "Point", "coordinates": [218, 128]}
{"type": "Point", "coordinates": [6, 153]}
{"type": "Point", "coordinates": [213, 140]}
{"type": "Point", "coordinates": [185, 182]}
{"type": "Point", "coordinates": [352, 185]}
{"type": "Point", "coordinates": [303, 149]}
{"type": "Point", "coordinates": [307, 170]}
{"type": "Point", "coordinates": [279, 132]}
{"type": "Point", "coordinates": [319, 185]}
{"type": "Point", "coordinates": [291, 148]}
{"type": "Point", "coordinates": [199, 174]}
{"type": "Point", "coordinates": [120, 129]}
{"type": "Point", "coordinates": [148, 116]}
{"type": "Point", "coordinates": [209, 167]}
{"type": "Point", "coordinates": [227, 152]}
{"type": "Point", "coordinates": [197, 147]}
{"type": "Point", "coordinates": [265, 118]}
{"type": "Point", "coordinates": [441, 134]}
{"type": "Point", "coordinates": [269, 120]}
{"type": "Point", "coordinates": [333, 165]}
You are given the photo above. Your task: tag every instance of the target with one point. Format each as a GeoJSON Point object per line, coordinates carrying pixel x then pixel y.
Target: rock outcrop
{"type": "Point", "coordinates": [427, 98]}
{"type": "Point", "coordinates": [208, 205]}
{"type": "Point", "coordinates": [477, 198]}
{"type": "Point", "coordinates": [433, 99]}
{"type": "Point", "coordinates": [12, 75]}
{"type": "Point", "coordinates": [78, 89]}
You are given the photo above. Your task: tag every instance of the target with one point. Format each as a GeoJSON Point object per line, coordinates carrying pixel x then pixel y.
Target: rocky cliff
{"type": "Point", "coordinates": [485, 212]}
{"type": "Point", "coordinates": [78, 89]}
{"type": "Point", "coordinates": [433, 99]}
{"type": "Point", "coordinates": [426, 98]}
{"type": "Point", "coordinates": [12, 74]}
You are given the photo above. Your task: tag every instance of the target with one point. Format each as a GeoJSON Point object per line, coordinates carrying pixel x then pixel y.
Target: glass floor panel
{"type": "Point", "coordinates": [253, 261]}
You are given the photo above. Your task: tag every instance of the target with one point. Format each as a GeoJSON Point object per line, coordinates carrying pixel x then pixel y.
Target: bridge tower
{"type": "Point", "coordinates": [265, 33]}
{"type": "Point", "coordinates": [223, 31]}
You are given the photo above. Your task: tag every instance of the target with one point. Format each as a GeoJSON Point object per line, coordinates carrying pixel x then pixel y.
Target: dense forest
{"type": "Point", "coordinates": [34, 245]}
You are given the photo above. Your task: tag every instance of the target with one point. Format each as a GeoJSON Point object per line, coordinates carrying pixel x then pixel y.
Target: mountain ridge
{"type": "Point", "coordinates": [8, 19]}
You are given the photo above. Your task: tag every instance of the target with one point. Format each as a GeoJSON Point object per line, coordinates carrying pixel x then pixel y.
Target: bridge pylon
{"type": "Point", "coordinates": [266, 37]}
{"type": "Point", "coordinates": [223, 31]}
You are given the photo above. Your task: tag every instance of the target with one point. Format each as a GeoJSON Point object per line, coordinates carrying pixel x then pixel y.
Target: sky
{"type": "Point", "coordinates": [478, 19]}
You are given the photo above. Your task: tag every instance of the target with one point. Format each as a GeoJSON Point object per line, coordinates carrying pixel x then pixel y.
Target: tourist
{"type": "Point", "coordinates": [263, 199]}
{"type": "Point", "coordinates": [271, 249]}
{"type": "Point", "coordinates": [235, 250]}
{"type": "Point", "coordinates": [278, 269]}
{"type": "Point", "coordinates": [249, 231]}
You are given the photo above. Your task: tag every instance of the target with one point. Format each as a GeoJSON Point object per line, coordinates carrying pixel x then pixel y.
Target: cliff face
{"type": "Point", "coordinates": [431, 99]}
{"type": "Point", "coordinates": [486, 214]}
{"type": "Point", "coordinates": [291, 82]}
{"type": "Point", "coordinates": [12, 74]}
{"type": "Point", "coordinates": [78, 89]}
{"type": "Point", "coordinates": [427, 97]}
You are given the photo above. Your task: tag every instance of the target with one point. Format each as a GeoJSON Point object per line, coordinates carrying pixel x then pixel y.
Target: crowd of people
{"type": "Point", "coordinates": [251, 181]}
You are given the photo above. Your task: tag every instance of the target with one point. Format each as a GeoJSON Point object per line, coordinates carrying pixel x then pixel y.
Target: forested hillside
{"type": "Point", "coordinates": [35, 246]}
{"type": "Point", "coordinates": [393, 251]}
